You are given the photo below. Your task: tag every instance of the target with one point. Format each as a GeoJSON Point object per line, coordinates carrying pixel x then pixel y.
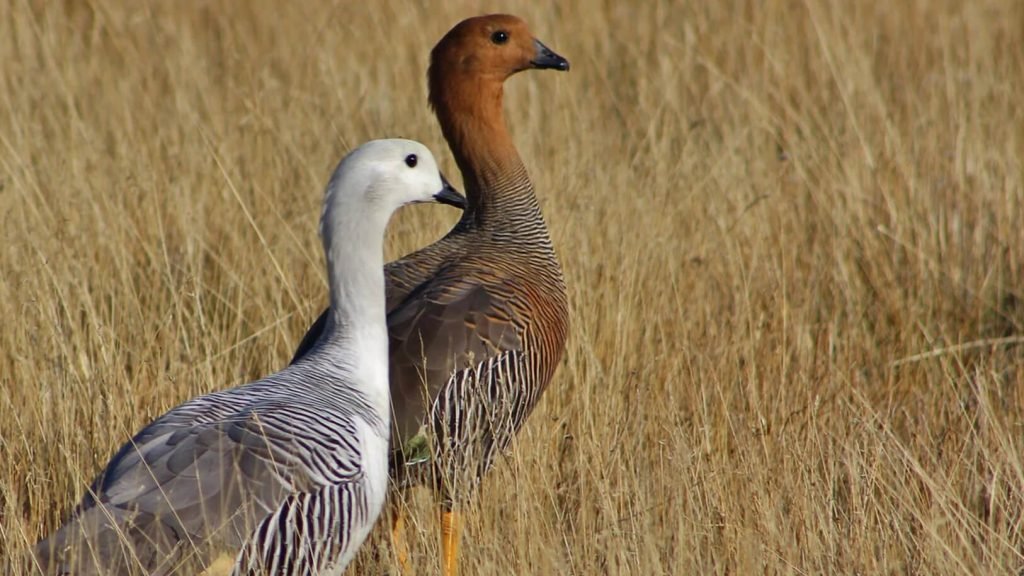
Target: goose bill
{"type": "Point", "coordinates": [547, 59]}
{"type": "Point", "coordinates": [448, 195]}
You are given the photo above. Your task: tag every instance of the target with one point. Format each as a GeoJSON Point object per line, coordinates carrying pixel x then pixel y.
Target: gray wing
{"type": "Point", "coordinates": [205, 409]}
{"type": "Point", "coordinates": [309, 532]}
{"type": "Point", "coordinates": [443, 340]}
{"type": "Point", "coordinates": [178, 491]}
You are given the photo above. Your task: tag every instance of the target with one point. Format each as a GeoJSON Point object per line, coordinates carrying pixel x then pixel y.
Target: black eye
{"type": "Point", "coordinates": [411, 160]}
{"type": "Point", "coordinates": [499, 37]}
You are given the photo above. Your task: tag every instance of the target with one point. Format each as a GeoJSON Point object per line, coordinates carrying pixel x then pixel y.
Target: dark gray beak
{"type": "Point", "coordinates": [448, 195]}
{"type": "Point", "coordinates": [546, 59]}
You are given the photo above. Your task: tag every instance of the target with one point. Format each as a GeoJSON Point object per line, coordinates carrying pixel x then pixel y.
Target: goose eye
{"type": "Point", "coordinates": [499, 37]}
{"type": "Point", "coordinates": [411, 160]}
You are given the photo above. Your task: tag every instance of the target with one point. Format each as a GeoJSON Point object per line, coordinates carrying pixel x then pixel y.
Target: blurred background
{"type": "Point", "coordinates": [791, 230]}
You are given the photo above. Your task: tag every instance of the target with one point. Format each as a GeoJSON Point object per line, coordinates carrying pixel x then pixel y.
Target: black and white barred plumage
{"type": "Point", "coordinates": [477, 321]}
{"type": "Point", "coordinates": [288, 473]}
{"type": "Point", "coordinates": [280, 465]}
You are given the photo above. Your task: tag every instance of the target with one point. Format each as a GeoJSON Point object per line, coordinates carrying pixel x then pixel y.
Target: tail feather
{"type": "Point", "coordinates": [111, 541]}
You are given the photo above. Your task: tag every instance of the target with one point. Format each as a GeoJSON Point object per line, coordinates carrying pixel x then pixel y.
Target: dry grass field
{"type": "Point", "coordinates": [793, 233]}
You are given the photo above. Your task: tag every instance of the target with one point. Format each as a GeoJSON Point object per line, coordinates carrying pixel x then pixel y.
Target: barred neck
{"type": "Point", "coordinates": [505, 199]}
{"type": "Point", "coordinates": [497, 186]}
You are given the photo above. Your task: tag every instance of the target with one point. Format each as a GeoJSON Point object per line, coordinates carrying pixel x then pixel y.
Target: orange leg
{"type": "Point", "coordinates": [398, 543]}
{"type": "Point", "coordinates": [451, 532]}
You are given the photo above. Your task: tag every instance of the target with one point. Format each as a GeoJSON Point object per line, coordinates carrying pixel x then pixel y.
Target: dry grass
{"type": "Point", "coordinates": [762, 207]}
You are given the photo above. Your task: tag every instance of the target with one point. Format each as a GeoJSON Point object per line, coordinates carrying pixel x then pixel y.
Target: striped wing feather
{"type": "Point", "coordinates": [448, 326]}
{"type": "Point", "coordinates": [154, 504]}
{"type": "Point", "coordinates": [444, 329]}
{"type": "Point", "coordinates": [308, 533]}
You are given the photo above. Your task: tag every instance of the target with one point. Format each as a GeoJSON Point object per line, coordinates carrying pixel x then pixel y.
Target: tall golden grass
{"type": "Point", "coordinates": [793, 233]}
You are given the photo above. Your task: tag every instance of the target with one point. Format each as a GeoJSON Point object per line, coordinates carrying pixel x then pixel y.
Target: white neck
{"type": "Point", "coordinates": [353, 238]}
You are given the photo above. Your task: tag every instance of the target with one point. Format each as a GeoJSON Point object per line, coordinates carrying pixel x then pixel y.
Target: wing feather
{"type": "Point", "coordinates": [309, 532]}
{"type": "Point", "coordinates": [179, 491]}
{"type": "Point", "coordinates": [447, 327]}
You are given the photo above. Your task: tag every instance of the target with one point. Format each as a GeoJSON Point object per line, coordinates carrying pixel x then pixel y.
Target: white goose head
{"type": "Point", "coordinates": [378, 178]}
